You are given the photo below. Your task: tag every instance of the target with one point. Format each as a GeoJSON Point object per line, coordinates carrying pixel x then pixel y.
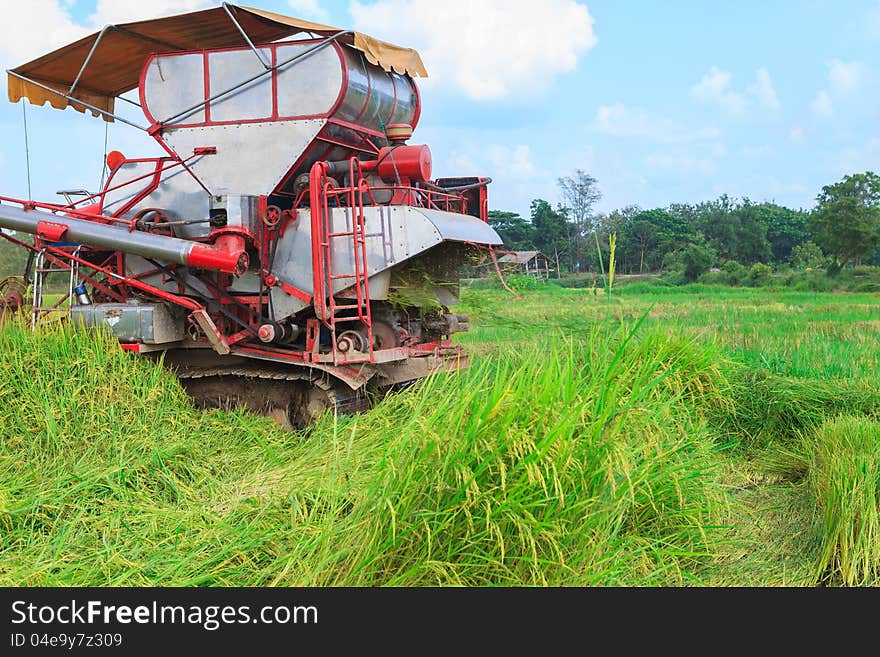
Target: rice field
{"type": "Point", "coordinates": [657, 437]}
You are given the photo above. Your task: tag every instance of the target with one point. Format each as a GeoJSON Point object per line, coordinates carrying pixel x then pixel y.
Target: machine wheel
{"type": "Point", "coordinates": [309, 401]}
{"type": "Point", "coordinates": [13, 292]}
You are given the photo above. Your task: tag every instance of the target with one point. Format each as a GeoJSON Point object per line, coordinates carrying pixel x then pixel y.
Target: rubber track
{"type": "Point", "coordinates": [344, 403]}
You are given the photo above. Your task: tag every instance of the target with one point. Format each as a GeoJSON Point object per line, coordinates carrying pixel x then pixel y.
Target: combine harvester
{"type": "Point", "coordinates": [291, 252]}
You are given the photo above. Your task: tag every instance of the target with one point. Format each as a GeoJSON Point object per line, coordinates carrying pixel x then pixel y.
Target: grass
{"type": "Point", "coordinates": [845, 478]}
{"type": "Point", "coordinates": [717, 437]}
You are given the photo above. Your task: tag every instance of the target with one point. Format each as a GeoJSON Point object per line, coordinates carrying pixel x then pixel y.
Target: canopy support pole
{"type": "Point", "coordinates": [259, 55]}
{"type": "Point", "coordinates": [130, 102]}
{"type": "Point", "coordinates": [27, 149]}
{"type": "Point", "coordinates": [88, 59]}
{"type": "Point", "coordinates": [77, 101]}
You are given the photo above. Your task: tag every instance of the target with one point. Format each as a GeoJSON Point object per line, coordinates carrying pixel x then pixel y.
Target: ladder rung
{"type": "Point", "coordinates": [340, 320]}
{"type": "Point", "coordinates": [349, 306]}
{"type": "Point", "coordinates": [337, 276]}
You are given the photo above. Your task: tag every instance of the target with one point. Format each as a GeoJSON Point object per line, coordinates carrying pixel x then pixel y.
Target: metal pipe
{"type": "Point", "coordinates": [129, 101]}
{"type": "Point", "coordinates": [76, 100]}
{"type": "Point", "coordinates": [88, 59]}
{"type": "Point", "coordinates": [259, 55]}
{"type": "Point", "coordinates": [227, 255]}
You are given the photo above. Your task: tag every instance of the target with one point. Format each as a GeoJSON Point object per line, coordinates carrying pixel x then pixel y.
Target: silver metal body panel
{"type": "Point", "coordinates": [309, 86]}
{"type": "Point", "coordinates": [152, 323]}
{"type": "Point", "coordinates": [393, 234]}
{"type": "Point", "coordinates": [178, 195]}
{"type": "Point", "coordinates": [456, 227]}
{"type": "Point", "coordinates": [241, 211]}
{"type": "Point", "coordinates": [187, 75]}
{"type": "Point", "coordinates": [251, 159]}
{"type": "Point", "coordinates": [230, 68]}
{"type": "Point", "coordinates": [135, 266]}
{"type": "Point", "coordinates": [117, 198]}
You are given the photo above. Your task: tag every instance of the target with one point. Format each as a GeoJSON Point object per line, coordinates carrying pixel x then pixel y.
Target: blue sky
{"type": "Point", "coordinates": [662, 102]}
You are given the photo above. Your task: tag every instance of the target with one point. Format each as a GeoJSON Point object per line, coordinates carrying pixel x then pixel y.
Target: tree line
{"type": "Point", "coordinates": [842, 229]}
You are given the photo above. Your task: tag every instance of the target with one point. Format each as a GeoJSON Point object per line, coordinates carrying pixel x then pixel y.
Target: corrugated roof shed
{"type": "Point", "coordinates": [519, 257]}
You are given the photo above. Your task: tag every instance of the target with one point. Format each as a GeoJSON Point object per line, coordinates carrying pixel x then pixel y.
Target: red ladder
{"type": "Point", "coordinates": [339, 317]}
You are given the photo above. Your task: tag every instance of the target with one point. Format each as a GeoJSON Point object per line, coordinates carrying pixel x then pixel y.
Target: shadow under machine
{"type": "Point", "coordinates": [291, 250]}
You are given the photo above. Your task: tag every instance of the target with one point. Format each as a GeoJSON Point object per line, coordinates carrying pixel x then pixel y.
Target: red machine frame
{"type": "Point", "coordinates": [246, 309]}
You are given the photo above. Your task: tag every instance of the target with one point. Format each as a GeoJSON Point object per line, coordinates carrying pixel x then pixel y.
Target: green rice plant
{"type": "Point", "coordinates": [845, 478]}
{"type": "Point", "coordinates": [662, 436]}
{"type": "Point", "coordinates": [577, 466]}
{"type": "Point", "coordinates": [769, 409]}
{"type": "Point", "coordinates": [583, 464]}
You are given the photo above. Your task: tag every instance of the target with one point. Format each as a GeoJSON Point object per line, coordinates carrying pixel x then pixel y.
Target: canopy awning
{"type": "Point", "coordinates": [117, 59]}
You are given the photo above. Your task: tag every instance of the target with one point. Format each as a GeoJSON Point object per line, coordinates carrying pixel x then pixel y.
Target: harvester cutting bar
{"type": "Point", "coordinates": [226, 255]}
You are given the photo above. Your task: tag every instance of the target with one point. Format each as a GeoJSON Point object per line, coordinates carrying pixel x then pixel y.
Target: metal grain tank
{"type": "Point", "coordinates": [322, 100]}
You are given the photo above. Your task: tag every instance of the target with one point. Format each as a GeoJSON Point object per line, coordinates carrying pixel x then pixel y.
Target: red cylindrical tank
{"type": "Point", "coordinates": [410, 162]}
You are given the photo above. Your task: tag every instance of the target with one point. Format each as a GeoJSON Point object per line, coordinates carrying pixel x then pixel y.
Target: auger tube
{"type": "Point", "coordinates": [227, 255]}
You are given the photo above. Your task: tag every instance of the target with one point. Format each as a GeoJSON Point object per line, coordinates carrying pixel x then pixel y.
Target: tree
{"type": "Point", "coordinates": [671, 233]}
{"type": "Point", "coordinates": [807, 256]}
{"type": "Point", "coordinates": [846, 221]}
{"type": "Point", "coordinates": [580, 193]}
{"type": "Point", "coordinates": [750, 234]}
{"type": "Point", "coordinates": [13, 257]}
{"type": "Point", "coordinates": [697, 259]}
{"type": "Point", "coordinates": [518, 234]}
{"type": "Point", "coordinates": [715, 220]}
{"type": "Point", "coordinates": [552, 229]}
{"type": "Point", "coordinates": [786, 229]}
{"type": "Point", "coordinates": [737, 230]}
{"type": "Point", "coordinates": [639, 236]}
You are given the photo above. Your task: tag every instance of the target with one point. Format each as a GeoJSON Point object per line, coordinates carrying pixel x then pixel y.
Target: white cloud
{"type": "Point", "coordinates": [43, 25]}
{"type": "Point", "coordinates": [309, 9]}
{"type": "Point", "coordinates": [488, 49]}
{"type": "Point", "coordinates": [502, 161]}
{"type": "Point", "coordinates": [796, 134]}
{"type": "Point", "coordinates": [39, 26]}
{"type": "Point", "coordinates": [463, 164]}
{"type": "Point", "coordinates": [762, 90]}
{"type": "Point", "coordinates": [108, 12]}
{"type": "Point", "coordinates": [716, 88]}
{"type": "Point", "coordinates": [821, 105]}
{"type": "Point", "coordinates": [845, 76]}
{"type": "Point", "coordinates": [511, 163]}
{"type": "Point", "coordinates": [620, 120]}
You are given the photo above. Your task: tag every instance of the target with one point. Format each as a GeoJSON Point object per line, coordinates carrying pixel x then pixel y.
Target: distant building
{"type": "Point", "coordinates": [531, 263]}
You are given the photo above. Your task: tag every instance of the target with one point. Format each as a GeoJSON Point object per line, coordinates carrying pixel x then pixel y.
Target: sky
{"type": "Point", "coordinates": [662, 102]}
